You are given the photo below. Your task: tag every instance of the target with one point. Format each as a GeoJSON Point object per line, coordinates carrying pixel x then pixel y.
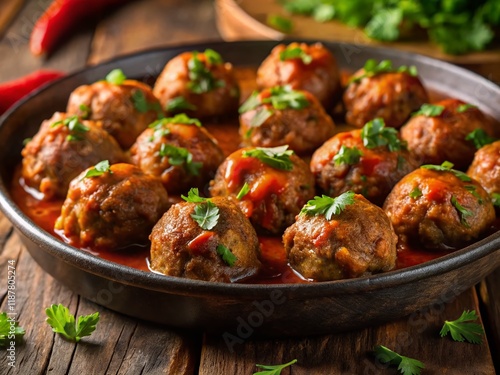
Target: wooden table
{"type": "Point", "coordinates": [123, 345]}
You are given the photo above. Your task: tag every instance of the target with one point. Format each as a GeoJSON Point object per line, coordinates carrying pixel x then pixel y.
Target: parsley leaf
{"type": "Point", "coordinates": [465, 107]}
{"type": "Point", "coordinates": [227, 256]}
{"type": "Point", "coordinates": [245, 189]}
{"type": "Point", "coordinates": [75, 127]}
{"type": "Point", "coordinates": [206, 214]}
{"type": "Point", "coordinates": [291, 53]}
{"type": "Point", "coordinates": [324, 13]}
{"type": "Point", "coordinates": [429, 110]}
{"type": "Point", "coordinates": [372, 68]}
{"type": "Point", "coordinates": [276, 157]}
{"type": "Point", "coordinates": [63, 322]}
{"type": "Point", "coordinates": [472, 189]}
{"type": "Point", "coordinates": [5, 330]}
{"type": "Point", "coordinates": [385, 25]}
{"type": "Point", "coordinates": [85, 111]}
{"type": "Point", "coordinates": [480, 138]}
{"type": "Point", "coordinates": [281, 97]}
{"type": "Point", "coordinates": [280, 23]}
{"type": "Point", "coordinates": [194, 196]}
{"type": "Point", "coordinates": [181, 156]}
{"type": "Point", "coordinates": [182, 118]}
{"type": "Point", "coordinates": [200, 76]}
{"type": "Point", "coordinates": [375, 134]}
{"type": "Point", "coordinates": [347, 155]}
{"type": "Point", "coordinates": [415, 193]}
{"type": "Point", "coordinates": [213, 57]}
{"type": "Point", "coordinates": [179, 103]}
{"type": "Point", "coordinates": [140, 102]}
{"type": "Point", "coordinates": [328, 206]}
{"type": "Point", "coordinates": [99, 169]}
{"type": "Point", "coordinates": [406, 365]}
{"type": "Point", "coordinates": [273, 369]}
{"type": "Point", "coordinates": [116, 77]}
{"type": "Point", "coordinates": [463, 212]}
{"type": "Point", "coordinates": [462, 328]}
{"type": "Point", "coordinates": [446, 166]}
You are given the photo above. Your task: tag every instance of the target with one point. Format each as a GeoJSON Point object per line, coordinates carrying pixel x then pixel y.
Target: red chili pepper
{"type": "Point", "coordinates": [12, 91]}
{"type": "Point", "coordinates": [59, 18]}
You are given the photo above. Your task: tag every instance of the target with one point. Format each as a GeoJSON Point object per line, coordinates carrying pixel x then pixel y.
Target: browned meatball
{"type": "Point", "coordinates": [392, 96]}
{"type": "Point", "coordinates": [435, 139]}
{"type": "Point", "coordinates": [438, 209]}
{"type": "Point", "coordinates": [125, 109]}
{"type": "Point", "coordinates": [344, 163]}
{"type": "Point", "coordinates": [63, 147]}
{"type": "Point", "coordinates": [267, 194]}
{"type": "Point", "coordinates": [112, 208]}
{"type": "Point", "coordinates": [226, 252]}
{"type": "Point", "coordinates": [198, 83]}
{"type": "Point", "coordinates": [180, 152]}
{"type": "Point", "coordinates": [303, 67]}
{"type": "Point", "coordinates": [358, 241]}
{"type": "Point", "coordinates": [278, 116]}
{"type": "Point", "coordinates": [485, 167]}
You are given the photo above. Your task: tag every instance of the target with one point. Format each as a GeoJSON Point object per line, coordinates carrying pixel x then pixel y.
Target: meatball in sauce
{"type": "Point", "coordinates": [269, 184]}
{"type": "Point", "coordinates": [353, 239]}
{"type": "Point", "coordinates": [223, 248]}
{"type": "Point", "coordinates": [485, 168]}
{"type": "Point", "coordinates": [282, 116]}
{"type": "Point", "coordinates": [306, 67]}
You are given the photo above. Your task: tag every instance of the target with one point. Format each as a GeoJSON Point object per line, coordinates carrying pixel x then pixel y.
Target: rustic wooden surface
{"type": "Point", "coordinates": [123, 345]}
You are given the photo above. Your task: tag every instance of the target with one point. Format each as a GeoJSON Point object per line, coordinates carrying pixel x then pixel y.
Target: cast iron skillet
{"type": "Point", "coordinates": [239, 311]}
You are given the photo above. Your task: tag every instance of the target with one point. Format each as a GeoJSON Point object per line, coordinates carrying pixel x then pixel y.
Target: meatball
{"type": "Point", "coordinates": [111, 207]}
{"type": "Point", "coordinates": [392, 96]}
{"type": "Point", "coordinates": [269, 184]}
{"type": "Point", "coordinates": [226, 252]}
{"type": "Point", "coordinates": [303, 67]}
{"type": "Point", "coordinates": [180, 152]}
{"type": "Point", "coordinates": [300, 121]}
{"type": "Point", "coordinates": [344, 163]}
{"type": "Point", "coordinates": [358, 241]}
{"type": "Point", "coordinates": [441, 134]}
{"type": "Point", "coordinates": [485, 167]}
{"type": "Point", "coordinates": [63, 147]}
{"type": "Point", "coordinates": [198, 83]}
{"type": "Point", "coordinates": [125, 109]}
{"type": "Point", "coordinates": [438, 208]}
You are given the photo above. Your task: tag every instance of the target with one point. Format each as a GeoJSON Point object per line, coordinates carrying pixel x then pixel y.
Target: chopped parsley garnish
{"type": "Point", "coordinates": [181, 156]}
{"type": "Point", "coordinates": [429, 110]}
{"type": "Point", "coordinates": [26, 141]}
{"type": "Point", "coordinates": [227, 256]}
{"type": "Point", "coordinates": [260, 117]}
{"type": "Point", "coordinates": [245, 189]}
{"type": "Point", "coordinates": [348, 155]}
{"type": "Point", "coordinates": [201, 79]}
{"type": "Point", "coordinates": [473, 190]}
{"type": "Point", "coordinates": [99, 169]}
{"type": "Point", "coordinates": [291, 53]}
{"type": "Point", "coordinates": [182, 118]}
{"type": "Point", "coordinates": [463, 328]}
{"type": "Point", "coordinates": [85, 111]}
{"type": "Point", "coordinates": [206, 214]}
{"type": "Point", "coordinates": [465, 107]}
{"type": "Point", "coordinates": [464, 213]}
{"type": "Point", "coordinates": [63, 322]}
{"type": "Point", "coordinates": [415, 193]}
{"type": "Point", "coordinates": [213, 57]}
{"type": "Point", "coordinates": [75, 127]}
{"type": "Point", "coordinates": [372, 68]}
{"type": "Point", "coordinates": [179, 103]}
{"type": "Point", "coordinates": [376, 134]}
{"type": "Point", "coordinates": [116, 77]}
{"type": "Point", "coordinates": [406, 365]}
{"type": "Point", "coordinates": [276, 157]}
{"type": "Point", "coordinates": [480, 138]}
{"type": "Point", "coordinates": [282, 97]}
{"type": "Point", "coordinates": [495, 198]}
{"type": "Point", "coordinates": [6, 330]}
{"type": "Point", "coordinates": [280, 23]}
{"type": "Point", "coordinates": [252, 102]}
{"type": "Point", "coordinates": [273, 369]}
{"type": "Point", "coordinates": [446, 166]}
{"type": "Point", "coordinates": [140, 102]}
{"type": "Point", "coordinates": [328, 206]}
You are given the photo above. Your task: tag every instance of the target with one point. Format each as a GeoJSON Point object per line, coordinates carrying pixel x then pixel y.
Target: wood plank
{"type": "Point", "coordinates": [416, 336]}
{"type": "Point", "coordinates": [8, 10]}
{"type": "Point", "coordinates": [490, 298]}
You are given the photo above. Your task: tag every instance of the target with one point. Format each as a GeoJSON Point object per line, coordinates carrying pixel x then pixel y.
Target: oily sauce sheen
{"type": "Point", "coordinates": [275, 267]}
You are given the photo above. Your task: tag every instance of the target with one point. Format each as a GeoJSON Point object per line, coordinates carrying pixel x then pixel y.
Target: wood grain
{"type": "Point", "coordinates": [8, 10]}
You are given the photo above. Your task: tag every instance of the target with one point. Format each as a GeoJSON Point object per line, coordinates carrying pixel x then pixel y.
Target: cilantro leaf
{"type": "Point", "coordinates": [63, 322]}
{"type": "Point", "coordinates": [99, 169]}
{"type": "Point", "coordinates": [415, 193]}
{"type": "Point", "coordinates": [74, 126]}
{"type": "Point", "coordinates": [201, 79]}
{"type": "Point", "coordinates": [281, 97]}
{"type": "Point", "coordinates": [273, 369]}
{"type": "Point", "coordinates": [206, 214]}
{"type": "Point", "coordinates": [194, 196]}
{"type": "Point", "coordinates": [276, 157]}
{"type": "Point", "coordinates": [385, 24]}
{"type": "Point", "coordinates": [463, 212]}
{"type": "Point", "coordinates": [347, 155]}
{"type": "Point", "coordinates": [462, 329]}
{"type": "Point", "coordinates": [291, 53]}
{"type": "Point", "coordinates": [116, 77]}
{"type": "Point", "coordinates": [180, 156]}
{"type": "Point", "coordinates": [429, 110]}
{"type": "Point", "coordinates": [179, 103]}
{"type": "Point", "coordinates": [301, 6]}
{"type": "Point", "coordinates": [372, 68]}
{"type": "Point", "coordinates": [227, 256]}
{"type": "Point", "coordinates": [406, 365]}
{"type": "Point", "coordinates": [465, 107]}
{"type": "Point", "coordinates": [182, 118]}
{"type": "Point", "coordinates": [472, 189]}
{"type": "Point", "coordinates": [480, 138]}
{"type": "Point", "coordinates": [6, 331]}
{"type": "Point", "coordinates": [245, 189]}
{"type": "Point", "coordinates": [280, 23]}
{"type": "Point", "coordinates": [375, 134]}
{"type": "Point", "coordinates": [328, 206]}
{"type": "Point", "coordinates": [213, 57]}
{"type": "Point", "coordinates": [446, 166]}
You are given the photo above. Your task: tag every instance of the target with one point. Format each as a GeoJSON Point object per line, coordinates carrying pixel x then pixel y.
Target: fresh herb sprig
{"type": "Point", "coordinates": [463, 328]}
{"type": "Point", "coordinates": [180, 156]}
{"type": "Point", "coordinates": [447, 166]}
{"type": "Point", "coordinates": [201, 79]}
{"type": "Point", "coordinates": [245, 189]}
{"type": "Point", "coordinates": [480, 138]}
{"type": "Point", "coordinates": [495, 198]}
{"type": "Point", "coordinates": [280, 23]}
{"type": "Point", "coordinates": [463, 212]}
{"type": "Point", "coordinates": [116, 77]}
{"type": "Point", "coordinates": [347, 155]}
{"type": "Point", "coordinates": [328, 206]}
{"type": "Point", "coordinates": [415, 193]}
{"type": "Point", "coordinates": [6, 331]}
{"type": "Point", "coordinates": [179, 103]}
{"type": "Point", "coordinates": [406, 365]}
{"type": "Point", "coordinates": [292, 53]}
{"type": "Point", "coordinates": [281, 97]}
{"type": "Point", "coordinates": [429, 110]}
{"type": "Point", "coordinates": [227, 256]}
{"type": "Point", "coordinates": [74, 125]}
{"type": "Point", "coordinates": [465, 107]}
{"type": "Point", "coordinates": [372, 68]}
{"type": "Point", "coordinates": [273, 369]}
{"type": "Point", "coordinates": [276, 157]}
{"type": "Point", "coordinates": [142, 105]}
{"type": "Point", "coordinates": [376, 134]}
{"type": "Point", "coordinates": [63, 322]}
{"type": "Point", "coordinates": [206, 213]}
{"type": "Point", "coordinates": [99, 169]}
